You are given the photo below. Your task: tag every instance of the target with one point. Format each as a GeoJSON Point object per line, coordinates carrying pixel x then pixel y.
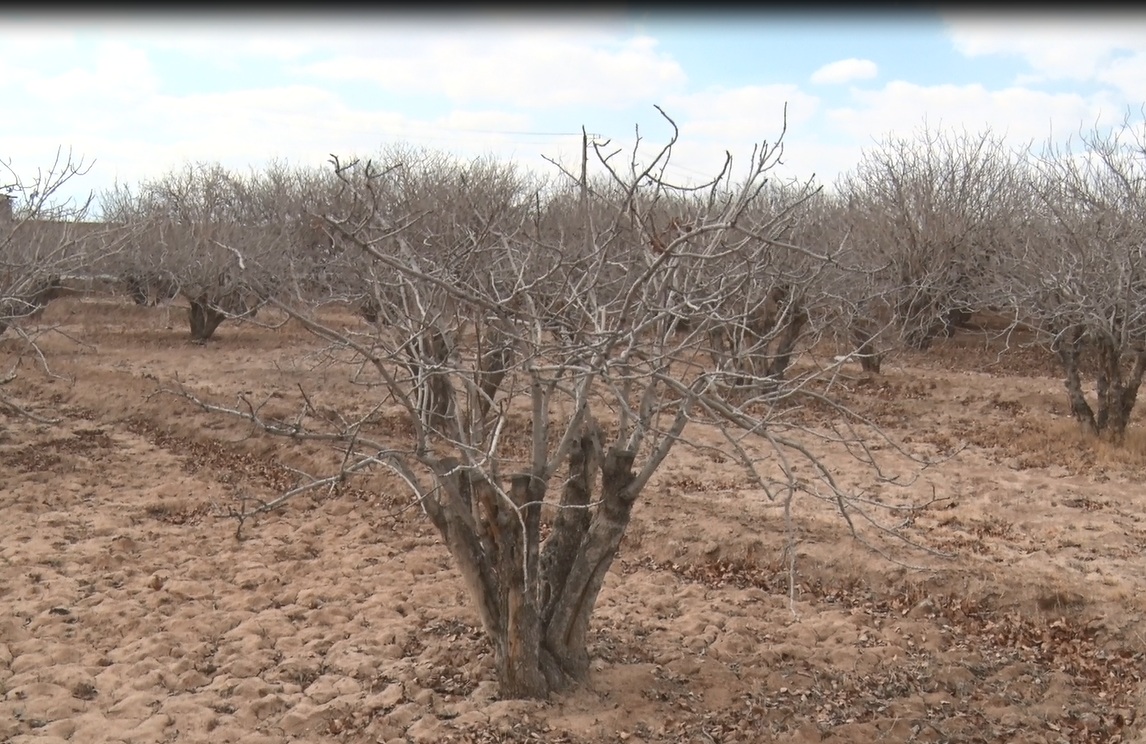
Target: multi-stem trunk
{"type": "Point", "coordinates": [204, 319]}
{"type": "Point", "coordinates": [535, 599]}
{"type": "Point", "coordinates": [760, 347]}
{"type": "Point", "coordinates": [1116, 388]}
{"type": "Point", "coordinates": [206, 314]}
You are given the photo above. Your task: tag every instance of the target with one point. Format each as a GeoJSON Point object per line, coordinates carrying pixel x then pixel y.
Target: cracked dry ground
{"type": "Point", "coordinates": [131, 611]}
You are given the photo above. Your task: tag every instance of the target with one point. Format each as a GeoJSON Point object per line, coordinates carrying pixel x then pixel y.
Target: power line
{"type": "Point", "coordinates": [513, 132]}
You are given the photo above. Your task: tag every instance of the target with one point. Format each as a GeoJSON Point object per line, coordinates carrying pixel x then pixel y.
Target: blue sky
{"type": "Point", "coordinates": [141, 95]}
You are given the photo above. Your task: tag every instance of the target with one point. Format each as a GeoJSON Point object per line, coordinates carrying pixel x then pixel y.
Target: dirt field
{"type": "Point", "coordinates": [130, 610]}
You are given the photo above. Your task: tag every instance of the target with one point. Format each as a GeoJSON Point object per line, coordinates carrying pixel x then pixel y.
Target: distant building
{"type": "Point", "coordinates": [43, 246]}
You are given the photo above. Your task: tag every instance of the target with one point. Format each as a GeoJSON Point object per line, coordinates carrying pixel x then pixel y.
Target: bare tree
{"type": "Point", "coordinates": [194, 230]}
{"type": "Point", "coordinates": [850, 292]}
{"type": "Point", "coordinates": [924, 217]}
{"type": "Point", "coordinates": [44, 243]}
{"type": "Point", "coordinates": [528, 347]}
{"type": "Point", "coordinates": [1076, 271]}
{"type": "Point", "coordinates": [763, 286]}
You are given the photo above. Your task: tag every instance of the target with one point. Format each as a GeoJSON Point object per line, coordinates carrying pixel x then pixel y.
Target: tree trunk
{"type": "Point", "coordinates": [204, 319]}
{"type": "Point", "coordinates": [536, 600]}
{"type": "Point", "coordinates": [1108, 384]}
{"type": "Point", "coordinates": [1117, 393]}
{"type": "Point", "coordinates": [573, 601]}
{"type": "Point", "coordinates": [492, 369]}
{"type": "Point", "coordinates": [369, 310]}
{"type": "Point", "coordinates": [786, 346]}
{"type": "Point", "coordinates": [518, 641]}
{"type": "Point", "coordinates": [1069, 353]}
{"type": "Point", "coordinates": [956, 319]}
{"type": "Point", "coordinates": [759, 350]}
{"type": "Point", "coordinates": [913, 315]}
{"type": "Point", "coordinates": [1129, 394]}
{"type": "Point", "coordinates": [138, 291]}
{"type": "Point", "coordinates": [867, 351]}
{"type": "Point", "coordinates": [427, 354]}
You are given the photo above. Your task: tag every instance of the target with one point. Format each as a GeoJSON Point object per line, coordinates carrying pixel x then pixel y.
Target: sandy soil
{"type": "Point", "coordinates": [133, 610]}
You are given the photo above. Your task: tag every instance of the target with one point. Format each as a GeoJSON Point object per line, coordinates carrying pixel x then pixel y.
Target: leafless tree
{"type": "Point", "coordinates": [1075, 272]}
{"type": "Point", "coordinates": [529, 350]}
{"type": "Point", "coordinates": [850, 305]}
{"type": "Point", "coordinates": [193, 231]}
{"type": "Point", "coordinates": [924, 217]}
{"type": "Point", "coordinates": [44, 243]}
{"type": "Point", "coordinates": [151, 288]}
{"type": "Point", "coordinates": [768, 283]}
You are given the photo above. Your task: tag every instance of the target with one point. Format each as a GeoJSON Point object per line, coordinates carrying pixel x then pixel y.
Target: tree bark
{"type": "Point", "coordinates": [427, 353]}
{"type": "Point", "coordinates": [1129, 394]}
{"type": "Point", "coordinates": [867, 351]}
{"type": "Point", "coordinates": [786, 346]}
{"type": "Point", "coordinates": [491, 373]}
{"type": "Point", "coordinates": [915, 315]}
{"type": "Point", "coordinates": [536, 601]}
{"type": "Point", "coordinates": [204, 318]}
{"type": "Point", "coordinates": [567, 630]}
{"type": "Point", "coordinates": [1069, 353]}
{"type": "Point", "coordinates": [138, 291]}
{"type": "Point", "coordinates": [1116, 393]}
{"type": "Point", "coordinates": [518, 642]}
{"type": "Point", "coordinates": [956, 319]}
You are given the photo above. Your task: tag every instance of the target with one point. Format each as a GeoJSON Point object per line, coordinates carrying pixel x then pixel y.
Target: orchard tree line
{"type": "Point", "coordinates": [545, 342]}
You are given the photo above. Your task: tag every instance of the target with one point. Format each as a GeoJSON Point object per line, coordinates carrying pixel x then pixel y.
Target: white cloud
{"type": "Point", "coordinates": [845, 71]}
{"type": "Point", "coordinates": [231, 37]}
{"type": "Point", "coordinates": [716, 121]}
{"type": "Point", "coordinates": [231, 44]}
{"type": "Point", "coordinates": [478, 86]}
{"type": "Point", "coordinates": [539, 69]}
{"type": "Point", "coordinates": [1021, 116]}
{"type": "Point", "coordinates": [1128, 75]}
{"type": "Point", "coordinates": [35, 43]}
{"type": "Point", "coordinates": [119, 73]}
{"type": "Point", "coordinates": [1057, 47]}
{"type": "Point", "coordinates": [242, 128]}
{"type": "Point", "coordinates": [27, 50]}
{"type": "Point", "coordinates": [483, 121]}
{"type": "Point", "coordinates": [755, 111]}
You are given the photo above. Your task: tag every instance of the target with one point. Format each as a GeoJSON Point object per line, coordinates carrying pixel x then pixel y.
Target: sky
{"type": "Point", "coordinates": [136, 96]}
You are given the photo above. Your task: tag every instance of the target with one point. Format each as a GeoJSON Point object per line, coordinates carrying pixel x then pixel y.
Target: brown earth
{"type": "Point", "coordinates": [132, 608]}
